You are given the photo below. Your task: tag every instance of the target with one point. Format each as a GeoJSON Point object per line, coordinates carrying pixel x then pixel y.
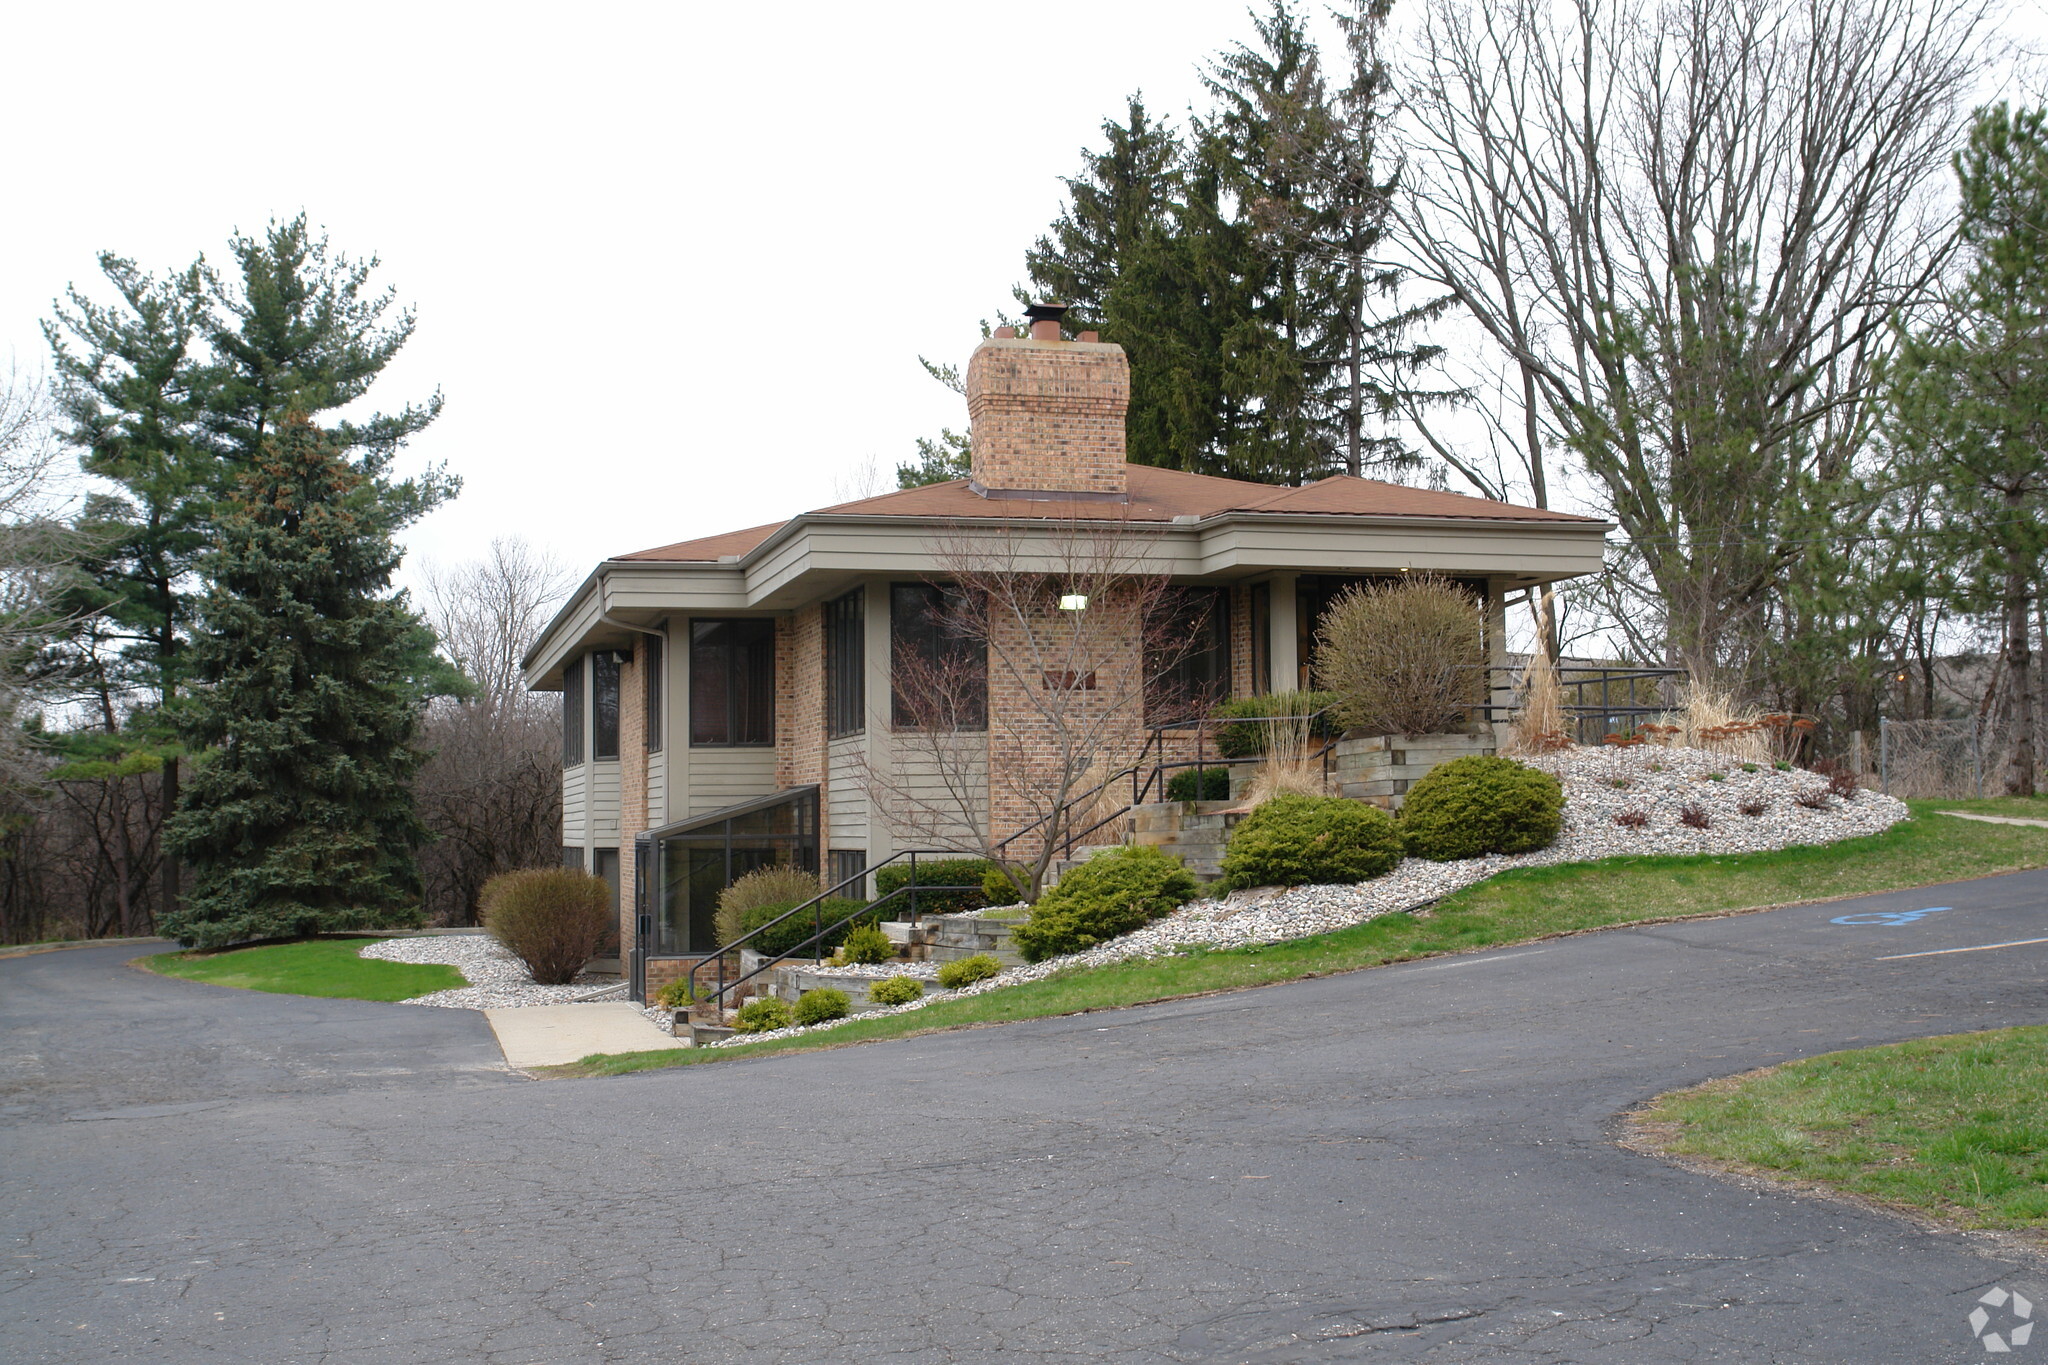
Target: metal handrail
{"type": "Point", "coordinates": [816, 905]}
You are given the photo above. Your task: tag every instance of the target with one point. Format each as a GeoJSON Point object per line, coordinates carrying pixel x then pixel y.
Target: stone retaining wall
{"type": "Point", "coordinates": [1380, 769]}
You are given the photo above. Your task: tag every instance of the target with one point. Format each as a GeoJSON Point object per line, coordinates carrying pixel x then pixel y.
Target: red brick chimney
{"type": "Point", "coordinates": [1048, 415]}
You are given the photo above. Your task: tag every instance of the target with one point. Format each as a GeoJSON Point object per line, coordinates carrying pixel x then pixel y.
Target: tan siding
{"type": "Point", "coordinates": [575, 806]}
{"type": "Point", "coordinates": [846, 799]}
{"type": "Point", "coordinates": [657, 789]}
{"type": "Point", "coordinates": [604, 803]}
{"type": "Point", "coordinates": [719, 777]}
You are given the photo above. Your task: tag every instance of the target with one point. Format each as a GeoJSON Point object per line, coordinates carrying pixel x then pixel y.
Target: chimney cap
{"type": "Point", "coordinates": [1046, 312]}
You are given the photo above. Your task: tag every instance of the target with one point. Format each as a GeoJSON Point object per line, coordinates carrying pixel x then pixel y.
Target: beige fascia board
{"type": "Point", "coordinates": [1532, 551]}
{"type": "Point", "coordinates": [632, 591]}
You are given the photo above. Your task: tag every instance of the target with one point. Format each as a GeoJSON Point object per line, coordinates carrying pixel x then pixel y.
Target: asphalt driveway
{"type": "Point", "coordinates": [1412, 1163]}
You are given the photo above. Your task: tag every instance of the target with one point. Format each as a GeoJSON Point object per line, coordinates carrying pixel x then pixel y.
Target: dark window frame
{"type": "Point", "coordinates": [918, 615]}
{"type": "Point", "coordinates": [846, 661]}
{"type": "Point", "coordinates": [572, 713]}
{"type": "Point", "coordinates": [653, 654]}
{"type": "Point", "coordinates": [745, 685]}
{"type": "Point", "coordinates": [1187, 685]}
{"type": "Point", "coordinates": [606, 672]}
{"type": "Point", "coordinates": [1260, 605]}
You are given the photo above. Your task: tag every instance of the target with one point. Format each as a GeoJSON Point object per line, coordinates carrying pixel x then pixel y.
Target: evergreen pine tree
{"type": "Point", "coordinates": [1971, 401]}
{"type": "Point", "coordinates": [1123, 195]}
{"type": "Point", "coordinates": [299, 819]}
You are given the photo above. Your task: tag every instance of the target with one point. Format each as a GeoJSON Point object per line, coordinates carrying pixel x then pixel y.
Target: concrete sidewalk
{"type": "Point", "coordinates": [551, 1035]}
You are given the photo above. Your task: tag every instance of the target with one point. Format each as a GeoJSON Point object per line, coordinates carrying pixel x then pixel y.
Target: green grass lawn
{"type": "Point", "coordinates": [316, 966]}
{"type": "Point", "coordinates": [2025, 807]}
{"type": "Point", "coordinates": [1513, 907]}
{"type": "Point", "coordinates": [1957, 1126]}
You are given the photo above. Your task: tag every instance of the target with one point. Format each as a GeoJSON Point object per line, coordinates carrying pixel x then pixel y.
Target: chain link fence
{"type": "Point", "coordinates": [1941, 758]}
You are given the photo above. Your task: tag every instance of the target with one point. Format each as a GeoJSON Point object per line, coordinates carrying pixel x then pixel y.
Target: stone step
{"type": "Point", "coordinates": [791, 982]}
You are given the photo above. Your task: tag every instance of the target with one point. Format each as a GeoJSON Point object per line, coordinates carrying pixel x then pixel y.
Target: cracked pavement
{"type": "Point", "coordinates": [1414, 1163]}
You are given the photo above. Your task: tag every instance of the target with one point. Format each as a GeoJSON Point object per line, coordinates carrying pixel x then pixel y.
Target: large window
{"type": "Point", "coordinates": [1262, 637]}
{"type": "Point", "coordinates": [650, 666]}
{"type": "Point", "coordinates": [604, 704]}
{"type": "Point", "coordinates": [572, 713]}
{"type": "Point", "coordinates": [732, 683]}
{"type": "Point", "coordinates": [938, 668]}
{"type": "Point", "coordinates": [1315, 594]}
{"type": "Point", "coordinates": [697, 859]}
{"type": "Point", "coordinates": [1188, 646]}
{"type": "Point", "coordinates": [846, 658]}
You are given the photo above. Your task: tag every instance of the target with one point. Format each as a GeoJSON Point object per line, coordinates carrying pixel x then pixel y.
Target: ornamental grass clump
{"type": "Point", "coordinates": [1474, 806]}
{"type": "Point", "coordinates": [1405, 656]}
{"type": "Point", "coordinates": [867, 945]}
{"type": "Point", "coordinates": [1104, 898]}
{"type": "Point", "coordinates": [896, 990]}
{"type": "Point", "coordinates": [551, 918]}
{"type": "Point", "coordinates": [968, 970]}
{"type": "Point", "coordinates": [762, 1015]}
{"type": "Point", "coordinates": [787, 887]}
{"type": "Point", "coordinates": [1311, 841]}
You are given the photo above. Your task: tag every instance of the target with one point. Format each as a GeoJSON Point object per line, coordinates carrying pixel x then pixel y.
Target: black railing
{"type": "Point", "coordinates": [816, 905]}
{"type": "Point", "coordinates": [1603, 716]}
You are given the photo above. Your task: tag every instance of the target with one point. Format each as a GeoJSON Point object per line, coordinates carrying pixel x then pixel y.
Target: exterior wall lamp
{"type": "Point", "coordinates": [1074, 601]}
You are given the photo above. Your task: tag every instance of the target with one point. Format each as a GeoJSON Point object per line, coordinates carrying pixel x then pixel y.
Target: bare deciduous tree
{"type": "Point", "coordinates": [1689, 228]}
{"type": "Point", "coordinates": [1049, 639]}
{"type": "Point", "coordinates": [492, 791]}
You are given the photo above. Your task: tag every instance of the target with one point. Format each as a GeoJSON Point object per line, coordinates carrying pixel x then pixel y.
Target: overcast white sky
{"type": "Point", "coordinates": [673, 264]}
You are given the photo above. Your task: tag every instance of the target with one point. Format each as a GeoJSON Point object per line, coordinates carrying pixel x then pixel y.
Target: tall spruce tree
{"type": "Point", "coordinates": [1971, 402]}
{"type": "Point", "coordinates": [1123, 194]}
{"type": "Point", "coordinates": [299, 819]}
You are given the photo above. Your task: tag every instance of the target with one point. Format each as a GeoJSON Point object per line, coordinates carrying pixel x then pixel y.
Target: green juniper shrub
{"type": "Point", "coordinates": [550, 918]}
{"type": "Point", "coordinates": [822, 1005]}
{"type": "Point", "coordinates": [867, 945]}
{"type": "Point", "coordinates": [1199, 784]}
{"type": "Point", "coordinates": [793, 933]}
{"type": "Point", "coordinates": [1295, 840]}
{"type": "Point", "coordinates": [968, 970]}
{"type": "Point", "coordinates": [997, 889]}
{"type": "Point", "coordinates": [1249, 740]}
{"type": "Point", "coordinates": [1478, 805]}
{"type": "Point", "coordinates": [896, 990]}
{"type": "Point", "coordinates": [1104, 898]}
{"type": "Point", "coordinates": [761, 1014]}
{"type": "Point", "coordinates": [675, 995]}
{"type": "Point", "coordinates": [961, 878]}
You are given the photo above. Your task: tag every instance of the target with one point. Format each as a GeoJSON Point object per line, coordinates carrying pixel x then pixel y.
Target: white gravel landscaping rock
{"type": "Point", "coordinates": [1598, 785]}
{"type": "Point", "coordinates": [497, 980]}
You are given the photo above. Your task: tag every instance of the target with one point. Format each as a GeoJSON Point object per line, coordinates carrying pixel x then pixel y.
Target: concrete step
{"type": "Point", "coordinates": [791, 982]}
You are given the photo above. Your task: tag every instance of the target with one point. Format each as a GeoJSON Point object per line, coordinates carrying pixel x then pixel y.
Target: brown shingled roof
{"type": "Point", "coordinates": [1155, 495]}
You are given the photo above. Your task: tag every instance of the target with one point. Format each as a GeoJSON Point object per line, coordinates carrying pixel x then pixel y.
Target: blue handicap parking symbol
{"type": "Point", "coordinates": [1890, 917]}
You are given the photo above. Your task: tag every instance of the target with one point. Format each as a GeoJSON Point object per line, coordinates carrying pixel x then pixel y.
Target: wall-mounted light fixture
{"type": "Point", "coordinates": [1074, 601]}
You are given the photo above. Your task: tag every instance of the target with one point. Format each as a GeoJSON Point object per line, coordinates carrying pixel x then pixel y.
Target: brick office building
{"type": "Point", "coordinates": [739, 699]}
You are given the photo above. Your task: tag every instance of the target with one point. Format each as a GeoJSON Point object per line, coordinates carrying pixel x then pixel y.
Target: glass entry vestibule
{"type": "Point", "coordinates": [692, 861]}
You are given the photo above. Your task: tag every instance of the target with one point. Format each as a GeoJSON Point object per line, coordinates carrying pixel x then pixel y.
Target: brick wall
{"type": "Point", "coordinates": [800, 704]}
{"type": "Point", "coordinates": [1048, 415]}
{"type": "Point", "coordinates": [1242, 683]}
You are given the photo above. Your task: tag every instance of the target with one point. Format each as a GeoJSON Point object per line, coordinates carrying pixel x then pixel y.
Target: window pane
{"type": "Point", "coordinates": [573, 857]}
{"type": "Point", "coordinates": [651, 664]}
{"type": "Point", "coordinates": [753, 685]}
{"type": "Point", "coordinates": [604, 705]}
{"type": "Point", "coordinates": [1262, 637]}
{"type": "Point", "coordinates": [572, 714]}
{"type": "Point", "coordinates": [845, 665]}
{"type": "Point", "coordinates": [938, 669]}
{"type": "Point", "coordinates": [710, 683]}
{"type": "Point", "coordinates": [1189, 668]}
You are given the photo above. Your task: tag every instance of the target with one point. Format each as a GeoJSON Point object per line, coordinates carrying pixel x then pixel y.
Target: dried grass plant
{"type": "Point", "coordinates": [1714, 720]}
{"type": "Point", "coordinates": [1292, 764]}
{"type": "Point", "coordinates": [1539, 727]}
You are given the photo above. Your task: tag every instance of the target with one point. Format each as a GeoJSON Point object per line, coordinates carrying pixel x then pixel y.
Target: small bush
{"type": "Point", "coordinates": [1199, 784]}
{"type": "Point", "coordinates": [1754, 808]}
{"type": "Point", "coordinates": [1782, 766]}
{"type": "Point", "coordinates": [822, 1006]}
{"type": "Point", "coordinates": [1104, 898]}
{"type": "Point", "coordinates": [1405, 656]}
{"type": "Point", "coordinates": [997, 889]}
{"type": "Point", "coordinates": [784, 886]}
{"type": "Point", "coordinates": [1717, 777]}
{"type": "Point", "coordinates": [550, 918]}
{"type": "Point", "coordinates": [762, 1014]}
{"type": "Point", "coordinates": [1249, 740]}
{"type": "Point", "coordinates": [968, 970]}
{"type": "Point", "coordinates": [1749, 767]}
{"type": "Point", "coordinates": [1478, 805]}
{"type": "Point", "coordinates": [1817, 799]}
{"type": "Point", "coordinates": [962, 877]}
{"type": "Point", "coordinates": [1632, 819]}
{"type": "Point", "coordinates": [1620, 784]}
{"type": "Point", "coordinates": [1694, 817]}
{"type": "Point", "coordinates": [675, 995]}
{"type": "Point", "coordinates": [1311, 841]}
{"type": "Point", "coordinates": [791, 934]}
{"type": "Point", "coordinates": [867, 945]}
{"type": "Point", "coordinates": [896, 990]}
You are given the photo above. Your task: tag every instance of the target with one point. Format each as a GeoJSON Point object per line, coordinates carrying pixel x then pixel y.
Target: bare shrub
{"type": "Point", "coordinates": [1694, 817]}
{"type": "Point", "coordinates": [550, 918]}
{"type": "Point", "coordinates": [1817, 799]}
{"type": "Point", "coordinates": [1405, 657]}
{"type": "Point", "coordinates": [777, 885]}
{"type": "Point", "coordinates": [1631, 819]}
{"type": "Point", "coordinates": [1754, 808]}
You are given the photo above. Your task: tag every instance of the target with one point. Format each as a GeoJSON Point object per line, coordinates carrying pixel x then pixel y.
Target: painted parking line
{"type": "Point", "coordinates": [1978, 948]}
{"type": "Point", "coordinates": [1891, 918]}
